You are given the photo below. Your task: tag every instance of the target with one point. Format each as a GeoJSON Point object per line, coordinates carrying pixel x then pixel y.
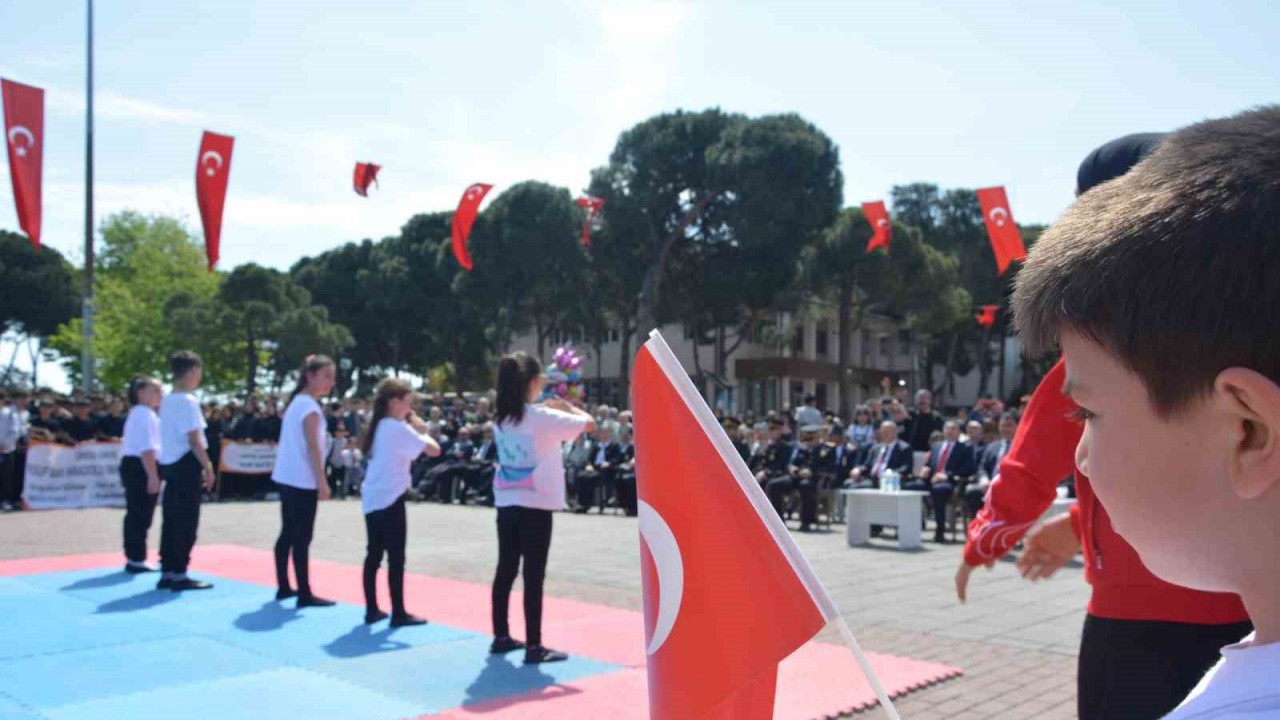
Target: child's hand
{"type": "Point", "coordinates": [1049, 548]}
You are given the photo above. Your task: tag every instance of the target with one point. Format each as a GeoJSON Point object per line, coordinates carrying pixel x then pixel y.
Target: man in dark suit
{"type": "Point", "coordinates": [799, 474]}
{"type": "Point", "coordinates": [627, 473]}
{"type": "Point", "coordinates": [989, 465]}
{"type": "Point", "coordinates": [889, 454]}
{"type": "Point", "coordinates": [951, 465]}
{"type": "Point", "coordinates": [771, 461]}
{"type": "Point", "coordinates": [601, 470]}
{"type": "Point", "coordinates": [479, 478]}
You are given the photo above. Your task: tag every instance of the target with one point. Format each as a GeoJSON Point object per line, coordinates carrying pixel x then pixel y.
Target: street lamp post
{"type": "Point", "coordinates": [87, 369]}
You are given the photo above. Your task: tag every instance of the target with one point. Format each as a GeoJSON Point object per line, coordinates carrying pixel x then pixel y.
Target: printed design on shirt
{"type": "Point", "coordinates": [516, 461]}
{"type": "Point", "coordinates": [997, 537]}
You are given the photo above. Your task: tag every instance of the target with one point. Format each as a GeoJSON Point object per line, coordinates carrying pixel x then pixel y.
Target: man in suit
{"type": "Point", "coordinates": [479, 479]}
{"type": "Point", "coordinates": [799, 474]}
{"type": "Point", "coordinates": [771, 462]}
{"type": "Point", "coordinates": [989, 465]}
{"type": "Point", "coordinates": [627, 473]}
{"type": "Point", "coordinates": [951, 465]}
{"type": "Point", "coordinates": [889, 454]}
{"type": "Point", "coordinates": [975, 435]}
{"type": "Point", "coordinates": [601, 470]}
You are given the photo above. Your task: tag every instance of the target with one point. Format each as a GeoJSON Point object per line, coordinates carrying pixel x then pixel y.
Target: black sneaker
{"type": "Point", "coordinates": [188, 584]}
{"type": "Point", "coordinates": [139, 569]}
{"type": "Point", "coordinates": [502, 646]}
{"type": "Point", "coordinates": [314, 601]}
{"type": "Point", "coordinates": [538, 654]}
{"type": "Point", "coordinates": [286, 593]}
{"type": "Point", "coordinates": [373, 616]}
{"type": "Point", "coordinates": [407, 620]}
{"type": "Point", "coordinates": [165, 584]}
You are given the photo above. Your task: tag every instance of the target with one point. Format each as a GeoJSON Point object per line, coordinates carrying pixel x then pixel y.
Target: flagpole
{"type": "Point", "coordinates": [865, 664]}
{"type": "Point", "coordinates": [86, 362]}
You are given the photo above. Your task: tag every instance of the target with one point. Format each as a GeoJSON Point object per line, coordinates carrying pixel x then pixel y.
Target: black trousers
{"type": "Point", "coordinates": [777, 489]}
{"type": "Point", "coordinates": [8, 475]}
{"type": "Point", "coordinates": [1142, 669]}
{"type": "Point", "coordinates": [586, 485]}
{"type": "Point", "coordinates": [627, 493]}
{"type": "Point", "coordinates": [297, 524]}
{"type": "Point", "coordinates": [387, 531]}
{"type": "Point", "coordinates": [139, 508]}
{"type": "Point", "coordinates": [182, 488]}
{"type": "Point", "coordinates": [522, 532]}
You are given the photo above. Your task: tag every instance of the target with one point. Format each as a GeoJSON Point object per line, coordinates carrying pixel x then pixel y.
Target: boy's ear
{"type": "Point", "coordinates": [1252, 402]}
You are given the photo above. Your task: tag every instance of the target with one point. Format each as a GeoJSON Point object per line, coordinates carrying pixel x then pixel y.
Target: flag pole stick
{"type": "Point", "coordinates": [865, 664]}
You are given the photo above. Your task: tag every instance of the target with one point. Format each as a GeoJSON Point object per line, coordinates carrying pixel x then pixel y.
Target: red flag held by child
{"type": "Point", "coordinates": [213, 169]}
{"type": "Point", "coordinates": [592, 205]}
{"type": "Point", "coordinates": [987, 318]}
{"type": "Point", "coordinates": [724, 601]}
{"type": "Point", "coordinates": [366, 174]}
{"type": "Point", "coordinates": [881, 228]}
{"type": "Point", "coordinates": [464, 218]}
{"type": "Point", "coordinates": [1006, 239]}
{"type": "Point", "coordinates": [24, 135]}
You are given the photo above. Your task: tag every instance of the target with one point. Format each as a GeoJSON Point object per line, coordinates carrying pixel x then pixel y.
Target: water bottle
{"type": "Point", "coordinates": [889, 481]}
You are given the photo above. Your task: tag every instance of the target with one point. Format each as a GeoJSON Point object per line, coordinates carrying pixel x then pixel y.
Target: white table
{"type": "Point", "coordinates": [901, 509]}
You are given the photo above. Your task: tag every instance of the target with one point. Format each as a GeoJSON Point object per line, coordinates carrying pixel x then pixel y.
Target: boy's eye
{"type": "Point", "coordinates": [1081, 415]}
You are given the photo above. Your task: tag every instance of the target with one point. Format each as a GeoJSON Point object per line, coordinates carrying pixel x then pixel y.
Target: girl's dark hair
{"type": "Point", "coordinates": [136, 384]}
{"type": "Point", "coordinates": [515, 372]}
{"type": "Point", "coordinates": [310, 366]}
{"type": "Point", "coordinates": [388, 390]}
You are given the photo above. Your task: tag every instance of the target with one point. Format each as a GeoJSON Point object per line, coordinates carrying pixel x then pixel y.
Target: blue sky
{"type": "Point", "coordinates": [448, 93]}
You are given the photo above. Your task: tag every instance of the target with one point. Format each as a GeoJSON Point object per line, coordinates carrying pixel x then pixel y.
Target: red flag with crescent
{"type": "Point", "coordinates": [366, 174]}
{"type": "Point", "coordinates": [592, 205]}
{"type": "Point", "coordinates": [1006, 239]}
{"type": "Point", "coordinates": [881, 228]}
{"type": "Point", "coordinates": [724, 601]}
{"type": "Point", "coordinates": [24, 135]}
{"type": "Point", "coordinates": [464, 218]}
{"type": "Point", "coordinates": [987, 318]}
{"type": "Point", "coordinates": [213, 168]}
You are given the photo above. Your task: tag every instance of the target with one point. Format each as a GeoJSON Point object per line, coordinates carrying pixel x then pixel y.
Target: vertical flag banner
{"type": "Point", "coordinates": [592, 205]}
{"type": "Point", "coordinates": [366, 174]}
{"type": "Point", "coordinates": [881, 228]}
{"type": "Point", "coordinates": [213, 168]}
{"type": "Point", "coordinates": [987, 318]}
{"type": "Point", "coordinates": [1006, 239]}
{"type": "Point", "coordinates": [464, 218]}
{"type": "Point", "coordinates": [726, 600]}
{"type": "Point", "coordinates": [24, 135]}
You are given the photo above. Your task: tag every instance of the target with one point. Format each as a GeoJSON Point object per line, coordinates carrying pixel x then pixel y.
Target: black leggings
{"type": "Point", "coordinates": [140, 508]}
{"type": "Point", "coordinates": [523, 532]}
{"type": "Point", "coordinates": [387, 531]}
{"type": "Point", "coordinates": [1142, 669]}
{"type": "Point", "coordinates": [298, 522]}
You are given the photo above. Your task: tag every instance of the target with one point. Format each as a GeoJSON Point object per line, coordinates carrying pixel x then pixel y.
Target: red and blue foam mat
{"type": "Point", "coordinates": [85, 641]}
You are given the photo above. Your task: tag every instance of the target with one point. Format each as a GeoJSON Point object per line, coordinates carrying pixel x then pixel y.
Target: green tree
{"type": "Point", "coordinates": [144, 261]}
{"type": "Point", "coordinates": [38, 292]}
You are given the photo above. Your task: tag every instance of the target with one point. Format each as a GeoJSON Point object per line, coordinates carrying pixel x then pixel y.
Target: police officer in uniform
{"type": "Point", "coordinates": [771, 461]}
{"type": "Point", "coordinates": [800, 476]}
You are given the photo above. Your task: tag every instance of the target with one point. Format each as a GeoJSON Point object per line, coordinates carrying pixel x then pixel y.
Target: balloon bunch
{"type": "Point", "coordinates": [564, 376]}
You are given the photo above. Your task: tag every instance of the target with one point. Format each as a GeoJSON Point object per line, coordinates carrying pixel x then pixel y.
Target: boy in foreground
{"type": "Point", "coordinates": [1162, 289]}
{"type": "Point", "coordinates": [186, 470]}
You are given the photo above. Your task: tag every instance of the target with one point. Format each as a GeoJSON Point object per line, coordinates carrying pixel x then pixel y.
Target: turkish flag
{"type": "Point", "coordinates": [727, 594]}
{"type": "Point", "coordinates": [213, 168]}
{"type": "Point", "coordinates": [24, 132]}
{"type": "Point", "coordinates": [592, 205]}
{"type": "Point", "coordinates": [366, 174]}
{"type": "Point", "coordinates": [464, 218]}
{"type": "Point", "coordinates": [987, 318]}
{"type": "Point", "coordinates": [881, 228]}
{"type": "Point", "coordinates": [1006, 239]}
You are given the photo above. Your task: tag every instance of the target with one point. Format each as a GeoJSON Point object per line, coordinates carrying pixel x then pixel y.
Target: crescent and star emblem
{"type": "Point", "coordinates": [212, 162]}
{"type": "Point", "coordinates": [882, 223]}
{"type": "Point", "coordinates": [18, 131]}
{"type": "Point", "coordinates": [661, 542]}
{"type": "Point", "coordinates": [999, 216]}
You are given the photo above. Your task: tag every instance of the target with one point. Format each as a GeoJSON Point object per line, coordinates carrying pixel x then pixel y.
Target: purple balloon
{"type": "Point", "coordinates": [562, 389]}
{"type": "Point", "coordinates": [575, 363]}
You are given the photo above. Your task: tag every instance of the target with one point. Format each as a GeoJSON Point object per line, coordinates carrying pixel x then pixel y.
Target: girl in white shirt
{"type": "Point", "coordinates": [528, 485]}
{"type": "Point", "coordinates": [395, 438]}
{"type": "Point", "coordinates": [300, 478]}
{"type": "Point", "coordinates": [139, 472]}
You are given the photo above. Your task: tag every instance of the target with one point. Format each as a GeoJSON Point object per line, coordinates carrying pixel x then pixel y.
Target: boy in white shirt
{"type": "Point", "coordinates": [1161, 289]}
{"type": "Point", "coordinates": [186, 470]}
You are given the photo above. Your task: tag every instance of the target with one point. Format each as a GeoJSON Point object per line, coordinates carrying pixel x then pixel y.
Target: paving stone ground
{"type": "Point", "coordinates": [1016, 641]}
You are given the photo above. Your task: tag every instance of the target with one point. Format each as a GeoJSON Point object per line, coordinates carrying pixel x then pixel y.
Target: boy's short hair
{"type": "Point", "coordinates": [183, 362]}
{"type": "Point", "coordinates": [1172, 267]}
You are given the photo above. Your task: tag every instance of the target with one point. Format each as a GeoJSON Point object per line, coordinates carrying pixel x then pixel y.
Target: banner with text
{"type": "Point", "coordinates": [247, 458]}
{"type": "Point", "coordinates": [62, 476]}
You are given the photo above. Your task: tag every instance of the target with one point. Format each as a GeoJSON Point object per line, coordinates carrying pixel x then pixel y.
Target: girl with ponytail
{"type": "Point", "coordinates": [528, 486]}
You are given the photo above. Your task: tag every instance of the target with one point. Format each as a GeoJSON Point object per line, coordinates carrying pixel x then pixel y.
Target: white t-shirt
{"type": "Point", "coordinates": [141, 432]}
{"type": "Point", "coordinates": [293, 459]}
{"type": "Point", "coordinates": [179, 415]}
{"type": "Point", "coordinates": [395, 445]}
{"type": "Point", "coordinates": [1244, 685]}
{"type": "Point", "coordinates": [530, 467]}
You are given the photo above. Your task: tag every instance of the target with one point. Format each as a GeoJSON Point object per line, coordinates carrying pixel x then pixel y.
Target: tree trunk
{"type": "Point", "coordinates": [537, 330]}
{"type": "Point", "coordinates": [624, 362]}
{"type": "Point", "coordinates": [251, 358]}
{"type": "Point", "coordinates": [1004, 335]}
{"type": "Point", "coordinates": [36, 343]}
{"type": "Point", "coordinates": [651, 287]}
{"type": "Point", "coordinates": [844, 331]}
{"type": "Point", "coordinates": [950, 373]}
{"type": "Point", "coordinates": [984, 362]}
{"type": "Point", "coordinates": [13, 359]}
{"type": "Point", "coordinates": [598, 346]}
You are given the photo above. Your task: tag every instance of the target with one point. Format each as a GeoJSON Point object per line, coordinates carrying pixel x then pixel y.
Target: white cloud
{"type": "Point", "coordinates": [109, 104]}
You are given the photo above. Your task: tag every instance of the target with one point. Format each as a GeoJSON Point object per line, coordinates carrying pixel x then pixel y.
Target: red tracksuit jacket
{"type": "Point", "coordinates": [1043, 454]}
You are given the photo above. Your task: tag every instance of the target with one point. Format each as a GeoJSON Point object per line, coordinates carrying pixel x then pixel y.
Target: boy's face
{"type": "Point", "coordinates": [1163, 481]}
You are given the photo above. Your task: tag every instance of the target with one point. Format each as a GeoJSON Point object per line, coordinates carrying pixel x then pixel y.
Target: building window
{"type": "Point", "coordinates": [864, 342]}
{"type": "Point", "coordinates": [904, 342]}
{"type": "Point", "coordinates": [821, 340]}
{"type": "Point", "coordinates": [797, 394]}
{"type": "Point", "coordinates": [885, 343]}
{"type": "Point", "coordinates": [797, 340]}
{"type": "Point", "coordinates": [820, 392]}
